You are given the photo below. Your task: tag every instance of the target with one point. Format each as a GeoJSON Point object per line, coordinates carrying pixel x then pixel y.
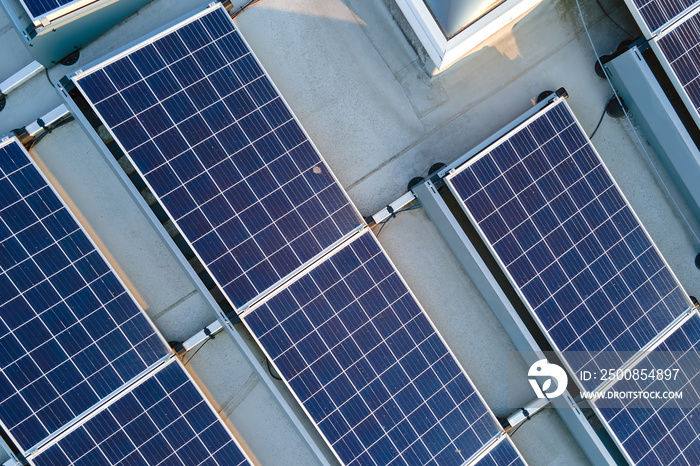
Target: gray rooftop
{"type": "Point", "coordinates": [363, 94]}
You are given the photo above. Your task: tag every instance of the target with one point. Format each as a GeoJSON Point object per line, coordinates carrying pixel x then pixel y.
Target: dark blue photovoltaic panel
{"type": "Point", "coordinates": [503, 454]}
{"type": "Point", "coordinates": [554, 218]}
{"type": "Point", "coordinates": [164, 420]}
{"type": "Point", "coordinates": [364, 360]}
{"type": "Point", "coordinates": [661, 431]}
{"type": "Point", "coordinates": [657, 13]}
{"type": "Point", "coordinates": [70, 333]}
{"type": "Point", "coordinates": [680, 47]}
{"type": "Point", "coordinates": [38, 8]}
{"type": "Point", "coordinates": [201, 121]}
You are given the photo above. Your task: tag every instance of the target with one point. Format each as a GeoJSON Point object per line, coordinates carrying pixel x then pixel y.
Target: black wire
{"type": "Point", "coordinates": [598, 125]}
{"type": "Point", "coordinates": [269, 369]}
{"type": "Point", "coordinates": [379, 232]}
{"type": "Point", "coordinates": [513, 431]}
{"type": "Point", "coordinates": [46, 72]}
{"type": "Point", "coordinates": [48, 129]}
{"type": "Point", "coordinates": [243, 8]}
{"type": "Point", "coordinates": [613, 21]}
{"type": "Point", "coordinates": [195, 353]}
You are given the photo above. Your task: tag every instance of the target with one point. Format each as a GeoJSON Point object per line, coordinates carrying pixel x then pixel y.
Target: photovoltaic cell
{"type": "Point", "coordinates": [199, 118]}
{"type": "Point", "coordinates": [678, 50]}
{"type": "Point", "coordinates": [661, 431]}
{"type": "Point", "coordinates": [656, 14]}
{"type": "Point", "coordinates": [70, 333]}
{"type": "Point", "coordinates": [164, 420]}
{"type": "Point", "coordinates": [368, 366]}
{"type": "Point", "coordinates": [503, 454]}
{"type": "Point", "coordinates": [544, 202]}
{"type": "Point", "coordinates": [39, 8]}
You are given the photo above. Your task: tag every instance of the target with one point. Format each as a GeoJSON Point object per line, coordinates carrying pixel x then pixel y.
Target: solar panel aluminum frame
{"type": "Point", "coordinates": [46, 18]}
{"type": "Point", "coordinates": [13, 140]}
{"type": "Point", "coordinates": [307, 269]}
{"type": "Point", "coordinates": [677, 325]}
{"type": "Point", "coordinates": [514, 128]}
{"type": "Point", "coordinates": [675, 80]}
{"type": "Point", "coordinates": [493, 139]}
{"type": "Point", "coordinates": [125, 391]}
{"type": "Point", "coordinates": [139, 43]}
{"type": "Point", "coordinates": [644, 27]}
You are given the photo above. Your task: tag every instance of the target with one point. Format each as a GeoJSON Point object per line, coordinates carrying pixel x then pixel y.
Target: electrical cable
{"type": "Point", "coordinates": [269, 369]}
{"type": "Point", "coordinates": [197, 351]}
{"type": "Point", "coordinates": [48, 78]}
{"type": "Point", "coordinates": [598, 125]}
{"type": "Point", "coordinates": [527, 418]}
{"type": "Point", "coordinates": [243, 8]}
{"type": "Point", "coordinates": [629, 120]}
{"type": "Point", "coordinates": [393, 215]}
{"type": "Point", "coordinates": [613, 21]}
{"type": "Point", "coordinates": [210, 336]}
{"type": "Point", "coordinates": [48, 129]}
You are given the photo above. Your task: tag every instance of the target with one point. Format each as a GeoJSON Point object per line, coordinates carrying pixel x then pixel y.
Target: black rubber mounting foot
{"type": "Point", "coordinates": [599, 71]}
{"type": "Point", "coordinates": [614, 110]}
{"type": "Point", "coordinates": [624, 46]}
{"type": "Point", "coordinates": [3, 100]}
{"type": "Point", "coordinates": [435, 167]}
{"type": "Point", "coordinates": [415, 182]}
{"type": "Point", "coordinates": [543, 95]}
{"type": "Point", "coordinates": [697, 261]}
{"type": "Point", "coordinates": [70, 59]}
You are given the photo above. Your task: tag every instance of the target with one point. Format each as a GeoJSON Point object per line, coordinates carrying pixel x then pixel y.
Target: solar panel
{"type": "Point", "coordinates": [197, 115]}
{"type": "Point", "coordinates": [678, 50]}
{"type": "Point", "coordinates": [569, 242]}
{"type": "Point", "coordinates": [367, 365]}
{"type": "Point", "coordinates": [40, 8]}
{"type": "Point", "coordinates": [653, 15]}
{"type": "Point", "coordinates": [163, 420]}
{"type": "Point", "coordinates": [70, 333]}
{"type": "Point", "coordinates": [503, 454]}
{"type": "Point", "coordinates": [660, 431]}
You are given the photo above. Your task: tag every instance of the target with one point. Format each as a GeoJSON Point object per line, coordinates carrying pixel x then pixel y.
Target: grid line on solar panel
{"type": "Point", "coordinates": [367, 365]}
{"type": "Point", "coordinates": [503, 453]}
{"type": "Point", "coordinates": [573, 248]}
{"type": "Point", "coordinates": [163, 420]}
{"type": "Point", "coordinates": [680, 49]}
{"type": "Point", "coordinates": [70, 333]}
{"type": "Point", "coordinates": [663, 431]}
{"type": "Point", "coordinates": [656, 14]}
{"type": "Point", "coordinates": [201, 121]}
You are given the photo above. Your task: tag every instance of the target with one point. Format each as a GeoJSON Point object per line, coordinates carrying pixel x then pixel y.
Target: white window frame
{"type": "Point", "coordinates": [444, 52]}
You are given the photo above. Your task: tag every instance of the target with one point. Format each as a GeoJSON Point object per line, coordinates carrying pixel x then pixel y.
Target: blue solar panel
{"type": "Point", "coordinates": [368, 366]}
{"type": "Point", "coordinates": [199, 118]}
{"type": "Point", "coordinates": [655, 14]}
{"type": "Point", "coordinates": [164, 420]}
{"type": "Point", "coordinates": [70, 333]}
{"type": "Point", "coordinates": [680, 50]}
{"type": "Point", "coordinates": [503, 454]}
{"type": "Point", "coordinates": [661, 431]}
{"type": "Point", "coordinates": [39, 8]}
{"type": "Point", "coordinates": [569, 241]}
